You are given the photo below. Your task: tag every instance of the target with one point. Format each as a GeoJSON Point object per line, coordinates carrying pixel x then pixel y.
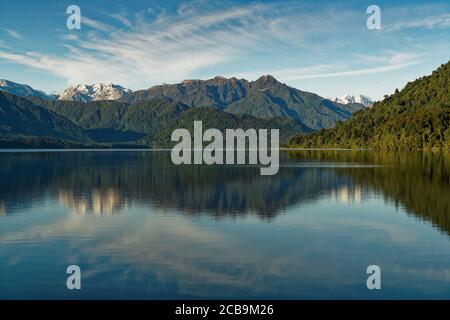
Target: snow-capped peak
{"type": "Point", "coordinates": [348, 98]}
{"type": "Point", "coordinates": [23, 90]}
{"type": "Point", "coordinates": [94, 92]}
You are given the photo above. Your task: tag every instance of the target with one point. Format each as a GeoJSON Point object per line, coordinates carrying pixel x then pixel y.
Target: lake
{"type": "Point", "coordinates": [140, 227]}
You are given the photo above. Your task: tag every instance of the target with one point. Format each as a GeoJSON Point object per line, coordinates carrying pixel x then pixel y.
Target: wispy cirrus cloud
{"type": "Point", "coordinates": [121, 17]}
{"type": "Point", "coordinates": [382, 63]}
{"type": "Point", "coordinates": [435, 21]}
{"type": "Point", "coordinates": [94, 24]}
{"type": "Point", "coordinates": [172, 46]}
{"type": "Point", "coordinates": [152, 46]}
{"type": "Point", "coordinates": [389, 63]}
{"type": "Point", "coordinates": [14, 34]}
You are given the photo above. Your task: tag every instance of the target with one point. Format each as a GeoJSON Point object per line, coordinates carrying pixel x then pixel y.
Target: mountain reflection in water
{"type": "Point", "coordinates": [141, 227]}
{"type": "Point", "coordinates": [107, 182]}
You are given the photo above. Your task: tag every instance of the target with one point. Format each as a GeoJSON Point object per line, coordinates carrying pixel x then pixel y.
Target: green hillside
{"type": "Point", "coordinates": [213, 118]}
{"type": "Point", "coordinates": [417, 117]}
{"type": "Point", "coordinates": [263, 98]}
{"type": "Point", "coordinates": [112, 122]}
{"type": "Point", "coordinates": [150, 123]}
{"type": "Point", "coordinates": [269, 98]}
{"type": "Point", "coordinates": [21, 118]}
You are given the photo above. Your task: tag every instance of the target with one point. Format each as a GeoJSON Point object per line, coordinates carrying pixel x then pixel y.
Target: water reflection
{"type": "Point", "coordinates": [108, 182]}
{"type": "Point", "coordinates": [347, 195]}
{"type": "Point", "coordinates": [96, 182]}
{"type": "Point", "coordinates": [141, 227]}
{"type": "Point", "coordinates": [418, 181]}
{"type": "Point", "coordinates": [2, 209]}
{"type": "Point", "coordinates": [97, 202]}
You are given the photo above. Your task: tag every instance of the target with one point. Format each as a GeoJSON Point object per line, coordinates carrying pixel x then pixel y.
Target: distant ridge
{"type": "Point", "coordinates": [23, 90]}
{"type": "Point", "coordinates": [94, 92]}
{"type": "Point", "coordinates": [263, 98]}
{"type": "Point", "coordinates": [361, 99]}
{"type": "Point", "coordinates": [80, 92]}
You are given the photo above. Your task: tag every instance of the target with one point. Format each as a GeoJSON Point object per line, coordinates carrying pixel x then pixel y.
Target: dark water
{"type": "Point", "coordinates": [140, 227]}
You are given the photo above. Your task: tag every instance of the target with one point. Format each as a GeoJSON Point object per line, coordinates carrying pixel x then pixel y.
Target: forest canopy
{"type": "Point", "coordinates": [417, 117]}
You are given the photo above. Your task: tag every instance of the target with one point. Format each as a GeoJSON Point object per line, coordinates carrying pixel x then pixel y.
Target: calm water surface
{"type": "Point", "coordinates": [140, 227]}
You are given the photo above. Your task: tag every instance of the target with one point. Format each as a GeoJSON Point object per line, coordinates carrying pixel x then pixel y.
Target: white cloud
{"type": "Point", "coordinates": [358, 72]}
{"type": "Point", "coordinates": [163, 47]}
{"type": "Point", "coordinates": [151, 47]}
{"type": "Point", "coordinates": [94, 24]}
{"type": "Point", "coordinates": [384, 62]}
{"type": "Point", "coordinates": [14, 34]}
{"type": "Point", "coordinates": [392, 63]}
{"type": "Point", "coordinates": [430, 22]}
{"type": "Point", "coordinates": [122, 18]}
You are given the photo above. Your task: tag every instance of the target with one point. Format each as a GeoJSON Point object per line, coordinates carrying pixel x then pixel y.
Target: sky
{"type": "Point", "coordinates": [323, 47]}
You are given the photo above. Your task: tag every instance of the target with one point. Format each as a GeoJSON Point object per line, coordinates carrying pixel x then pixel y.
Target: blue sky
{"type": "Point", "coordinates": [319, 46]}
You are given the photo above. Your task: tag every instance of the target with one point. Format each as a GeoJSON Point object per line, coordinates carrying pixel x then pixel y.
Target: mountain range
{"type": "Point", "coordinates": [416, 117]}
{"type": "Point", "coordinates": [111, 114]}
{"type": "Point", "coordinates": [361, 99]}
{"type": "Point", "coordinates": [264, 98]}
{"type": "Point", "coordinates": [24, 90]}
{"type": "Point", "coordinates": [109, 91]}
{"type": "Point", "coordinates": [94, 92]}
